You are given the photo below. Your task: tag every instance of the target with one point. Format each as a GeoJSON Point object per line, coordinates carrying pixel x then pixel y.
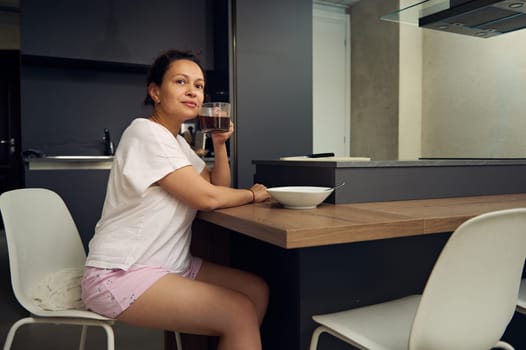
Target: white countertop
{"type": "Point", "coordinates": [69, 162]}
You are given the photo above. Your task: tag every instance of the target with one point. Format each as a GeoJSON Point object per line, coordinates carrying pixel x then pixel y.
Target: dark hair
{"type": "Point", "coordinates": [162, 64]}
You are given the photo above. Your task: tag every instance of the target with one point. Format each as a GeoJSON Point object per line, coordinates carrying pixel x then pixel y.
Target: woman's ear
{"type": "Point", "coordinates": [153, 91]}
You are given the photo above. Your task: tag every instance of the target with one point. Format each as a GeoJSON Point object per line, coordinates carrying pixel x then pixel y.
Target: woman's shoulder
{"type": "Point", "coordinates": [141, 126]}
{"type": "Point", "coordinates": [145, 130]}
{"type": "Point", "coordinates": [140, 123]}
{"type": "Point", "coordinates": [137, 129]}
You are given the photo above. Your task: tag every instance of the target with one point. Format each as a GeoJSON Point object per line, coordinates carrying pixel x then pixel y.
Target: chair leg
{"type": "Point", "coordinates": [83, 334]}
{"type": "Point", "coordinates": [178, 341]}
{"type": "Point", "coordinates": [84, 323]}
{"type": "Point", "coordinates": [321, 329]}
{"type": "Point", "coordinates": [110, 336]}
{"type": "Point", "coordinates": [11, 334]}
{"type": "Point", "coordinates": [315, 337]}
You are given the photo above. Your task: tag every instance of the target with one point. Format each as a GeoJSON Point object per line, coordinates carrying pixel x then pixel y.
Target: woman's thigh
{"type": "Point", "coordinates": [192, 306]}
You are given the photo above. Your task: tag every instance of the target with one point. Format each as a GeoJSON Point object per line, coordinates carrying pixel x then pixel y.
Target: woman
{"type": "Point", "coordinates": [139, 269]}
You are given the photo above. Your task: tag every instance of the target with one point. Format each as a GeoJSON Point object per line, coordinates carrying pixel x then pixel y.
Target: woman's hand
{"type": "Point", "coordinates": [220, 137]}
{"type": "Point", "coordinates": [260, 193]}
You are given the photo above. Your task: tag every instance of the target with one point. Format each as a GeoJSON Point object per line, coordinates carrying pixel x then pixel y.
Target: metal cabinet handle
{"type": "Point", "coordinates": [10, 142]}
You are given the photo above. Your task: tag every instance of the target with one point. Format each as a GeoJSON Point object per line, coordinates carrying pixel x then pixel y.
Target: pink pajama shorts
{"type": "Point", "coordinates": [111, 291]}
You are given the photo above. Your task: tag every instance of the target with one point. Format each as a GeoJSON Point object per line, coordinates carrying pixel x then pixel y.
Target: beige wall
{"type": "Point", "coordinates": [410, 93]}
{"type": "Point", "coordinates": [459, 96]}
{"type": "Point", "coordinates": [473, 95]}
{"type": "Point", "coordinates": [374, 80]}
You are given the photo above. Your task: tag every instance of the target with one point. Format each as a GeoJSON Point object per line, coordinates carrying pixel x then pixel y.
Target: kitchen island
{"type": "Point", "coordinates": [350, 223]}
{"type": "Point", "coordinates": [388, 180]}
{"type": "Point", "coordinates": [374, 239]}
{"type": "Point", "coordinates": [338, 256]}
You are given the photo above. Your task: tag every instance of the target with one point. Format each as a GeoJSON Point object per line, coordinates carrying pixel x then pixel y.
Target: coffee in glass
{"type": "Point", "coordinates": [214, 116]}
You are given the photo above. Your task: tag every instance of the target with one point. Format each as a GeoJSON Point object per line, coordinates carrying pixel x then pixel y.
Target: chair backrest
{"type": "Point", "coordinates": [471, 294]}
{"type": "Point", "coordinates": [42, 238]}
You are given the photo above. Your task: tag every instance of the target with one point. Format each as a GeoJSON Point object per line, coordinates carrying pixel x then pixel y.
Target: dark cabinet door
{"type": "Point", "coordinates": [10, 157]}
{"type": "Point", "coordinates": [125, 31]}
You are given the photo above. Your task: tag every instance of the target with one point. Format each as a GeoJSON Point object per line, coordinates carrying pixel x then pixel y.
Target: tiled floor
{"type": "Point", "coordinates": [62, 337]}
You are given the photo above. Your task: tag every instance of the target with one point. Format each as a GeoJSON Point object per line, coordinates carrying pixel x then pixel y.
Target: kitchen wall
{"type": "Point", "coordinates": [410, 90]}
{"type": "Point", "coordinates": [273, 81]}
{"type": "Point", "coordinates": [461, 96]}
{"type": "Point", "coordinates": [84, 65]}
{"type": "Point", "coordinates": [374, 80]}
{"type": "Point", "coordinates": [444, 95]}
{"type": "Point", "coordinates": [473, 95]}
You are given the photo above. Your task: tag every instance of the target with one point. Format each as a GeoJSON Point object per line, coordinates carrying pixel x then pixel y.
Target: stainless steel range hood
{"type": "Point", "coordinates": [479, 18]}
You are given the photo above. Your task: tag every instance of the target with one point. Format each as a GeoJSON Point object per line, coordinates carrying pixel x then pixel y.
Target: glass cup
{"type": "Point", "coordinates": [214, 116]}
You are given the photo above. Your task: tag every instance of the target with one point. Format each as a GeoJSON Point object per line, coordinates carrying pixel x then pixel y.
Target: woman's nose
{"type": "Point", "coordinates": [191, 91]}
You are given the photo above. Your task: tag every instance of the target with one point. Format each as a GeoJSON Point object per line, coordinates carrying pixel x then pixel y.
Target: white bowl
{"type": "Point", "coordinates": [300, 197]}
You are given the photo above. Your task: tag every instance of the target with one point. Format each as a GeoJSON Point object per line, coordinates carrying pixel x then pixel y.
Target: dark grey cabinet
{"type": "Point", "coordinates": [129, 31]}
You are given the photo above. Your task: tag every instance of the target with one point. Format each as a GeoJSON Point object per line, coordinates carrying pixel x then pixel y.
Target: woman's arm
{"type": "Point", "coordinates": [220, 173]}
{"type": "Point", "coordinates": [211, 189]}
{"type": "Point", "coordinates": [191, 188]}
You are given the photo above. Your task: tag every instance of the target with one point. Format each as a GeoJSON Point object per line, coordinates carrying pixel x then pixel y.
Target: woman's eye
{"type": "Point", "coordinates": [180, 81]}
{"type": "Point", "coordinates": [200, 86]}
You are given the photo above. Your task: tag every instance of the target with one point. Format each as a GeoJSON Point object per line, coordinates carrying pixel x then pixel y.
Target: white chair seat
{"type": "Point", "coordinates": [83, 314]}
{"type": "Point", "coordinates": [384, 326]}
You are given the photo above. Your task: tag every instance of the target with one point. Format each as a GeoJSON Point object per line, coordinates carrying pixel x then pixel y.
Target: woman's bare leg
{"type": "Point", "coordinates": [251, 285]}
{"type": "Point", "coordinates": [224, 302]}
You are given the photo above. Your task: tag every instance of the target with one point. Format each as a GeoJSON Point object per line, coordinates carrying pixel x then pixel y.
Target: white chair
{"type": "Point", "coordinates": [468, 300]}
{"type": "Point", "coordinates": [521, 303]}
{"type": "Point", "coordinates": [42, 239]}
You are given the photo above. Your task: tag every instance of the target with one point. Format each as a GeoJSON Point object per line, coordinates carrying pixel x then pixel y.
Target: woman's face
{"type": "Point", "coordinates": [181, 93]}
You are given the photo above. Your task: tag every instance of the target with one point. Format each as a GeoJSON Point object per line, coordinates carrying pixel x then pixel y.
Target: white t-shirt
{"type": "Point", "coordinates": [141, 224]}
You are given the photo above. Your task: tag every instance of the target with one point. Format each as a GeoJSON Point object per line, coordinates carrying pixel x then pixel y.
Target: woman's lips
{"type": "Point", "coordinates": [190, 104]}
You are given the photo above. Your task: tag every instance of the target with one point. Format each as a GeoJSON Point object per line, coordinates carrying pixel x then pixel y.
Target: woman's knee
{"type": "Point", "coordinates": [240, 328]}
{"type": "Point", "coordinates": [259, 294]}
{"type": "Point", "coordinates": [241, 312]}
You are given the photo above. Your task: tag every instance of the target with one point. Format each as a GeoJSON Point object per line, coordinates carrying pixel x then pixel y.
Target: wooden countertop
{"type": "Point", "coordinates": [346, 223]}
